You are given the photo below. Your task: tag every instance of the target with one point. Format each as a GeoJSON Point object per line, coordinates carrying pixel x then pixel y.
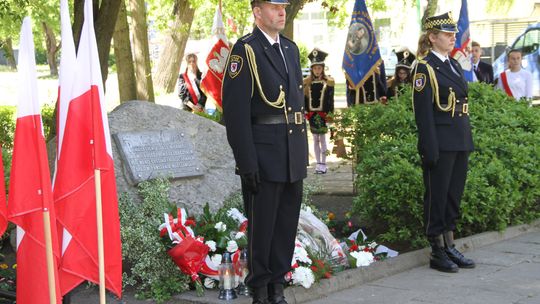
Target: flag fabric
{"type": "Point", "coordinates": [30, 191]}
{"type": "Point", "coordinates": [85, 146]}
{"type": "Point", "coordinates": [3, 206]}
{"type": "Point", "coordinates": [362, 55]}
{"type": "Point", "coordinates": [463, 38]}
{"type": "Point", "coordinates": [216, 61]}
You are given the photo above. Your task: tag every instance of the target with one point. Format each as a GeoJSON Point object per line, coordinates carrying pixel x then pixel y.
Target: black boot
{"type": "Point", "coordinates": [454, 254]}
{"type": "Point", "coordinates": [275, 293]}
{"type": "Point", "coordinates": [439, 260]}
{"type": "Point", "coordinates": [260, 295]}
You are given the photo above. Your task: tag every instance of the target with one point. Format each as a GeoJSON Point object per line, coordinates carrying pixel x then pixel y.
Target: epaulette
{"type": "Point", "coordinates": [247, 38]}
{"type": "Point", "coordinates": [285, 37]}
{"type": "Point", "coordinates": [307, 80]}
{"type": "Point", "coordinates": [330, 81]}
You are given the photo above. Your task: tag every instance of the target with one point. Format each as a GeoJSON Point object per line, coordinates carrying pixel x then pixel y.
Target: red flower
{"type": "Point", "coordinates": [190, 222]}
{"type": "Point", "coordinates": [353, 248]}
{"type": "Point", "coordinates": [327, 275]}
{"type": "Point", "coordinates": [349, 224]}
{"type": "Point", "coordinates": [314, 268]}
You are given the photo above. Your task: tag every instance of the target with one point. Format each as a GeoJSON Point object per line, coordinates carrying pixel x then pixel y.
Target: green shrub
{"type": "Point", "coordinates": [7, 126]}
{"type": "Point", "coordinates": [501, 187]}
{"type": "Point", "coordinates": [149, 269]}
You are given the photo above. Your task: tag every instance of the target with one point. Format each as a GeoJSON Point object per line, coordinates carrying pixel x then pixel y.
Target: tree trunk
{"type": "Point", "coordinates": [173, 51]}
{"type": "Point", "coordinates": [52, 48]}
{"type": "Point", "coordinates": [7, 47]}
{"type": "Point", "coordinates": [104, 23]}
{"type": "Point", "coordinates": [141, 53]}
{"type": "Point", "coordinates": [430, 10]}
{"type": "Point", "coordinates": [292, 10]}
{"type": "Point", "coordinates": [124, 60]}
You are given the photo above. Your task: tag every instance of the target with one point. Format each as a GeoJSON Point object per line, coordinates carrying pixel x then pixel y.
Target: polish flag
{"type": "Point", "coordinates": [85, 146]}
{"type": "Point", "coordinates": [30, 195]}
{"type": "Point", "coordinates": [216, 61]}
{"type": "Point", "coordinates": [3, 208]}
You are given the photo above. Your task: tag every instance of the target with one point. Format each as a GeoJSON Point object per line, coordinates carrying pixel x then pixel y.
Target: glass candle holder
{"type": "Point", "coordinates": [226, 278]}
{"type": "Point", "coordinates": [241, 273]}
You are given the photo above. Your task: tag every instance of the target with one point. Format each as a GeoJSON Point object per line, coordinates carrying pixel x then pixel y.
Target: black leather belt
{"type": "Point", "coordinates": [296, 118]}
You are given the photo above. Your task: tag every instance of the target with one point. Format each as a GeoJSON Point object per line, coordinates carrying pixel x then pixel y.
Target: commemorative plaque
{"type": "Point", "coordinates": [152, 154]}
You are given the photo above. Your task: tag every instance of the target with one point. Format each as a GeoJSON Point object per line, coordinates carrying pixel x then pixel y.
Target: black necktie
{"type": "Point", "coordinates": [447, 62]}
{"type": "Point", "coordinates": [278, 51]}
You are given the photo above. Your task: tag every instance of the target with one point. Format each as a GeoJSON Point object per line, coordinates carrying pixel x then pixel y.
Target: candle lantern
{"type": "Point", "coordinates": [226, 278]}
{"type": "Point", "coordinates": [242, 272]}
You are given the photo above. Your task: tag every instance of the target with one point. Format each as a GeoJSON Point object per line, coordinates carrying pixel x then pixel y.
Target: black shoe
{"type": "Point", "coordinates": [275, 293]}
{"type": "Point", "coordinates": [260, 295]}
{"type": "Point", "coordinates": [440, 261]}
{"type": "Point", "coordinates": [458, 258]}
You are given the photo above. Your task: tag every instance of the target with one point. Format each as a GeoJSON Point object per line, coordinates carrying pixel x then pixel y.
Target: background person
{"type": "Point", "coordinates": [515, 81]}
{"type": "Point", "coordinates": [444, 138]}
{"type": "Point", "coordinates": [402, 75]}
{"type": "Point", "coordinates": [483, 72]}
{"type": "Point", "coordinates": [189, 86]}
{"type": "Point", "coordinates": [319, 100]}
{"type": "Point", "coordinates": [263, 108]}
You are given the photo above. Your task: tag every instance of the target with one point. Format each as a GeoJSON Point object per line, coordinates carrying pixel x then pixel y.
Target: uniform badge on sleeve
{"type": "Point", "coordinates": [235, 65]}
{"type": "Point", "coordinates": [419, 81]}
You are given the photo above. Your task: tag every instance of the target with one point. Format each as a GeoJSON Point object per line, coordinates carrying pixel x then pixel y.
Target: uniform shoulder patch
{"type": "Point", "coordinates": [247, 38]}
{"type": "Point", "coordinates": [235, 65]}
{"type": "Point", "coordinates": [419, 81]}
{"type": "Point", "coordinates": [330, 81]}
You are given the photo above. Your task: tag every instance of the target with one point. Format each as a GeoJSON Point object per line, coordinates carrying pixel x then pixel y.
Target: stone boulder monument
{"type": "Point", "coordinates": [151, 140]}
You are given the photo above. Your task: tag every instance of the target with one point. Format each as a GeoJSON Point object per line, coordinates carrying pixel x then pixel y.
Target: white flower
{"type": "Point", "coordinates": [216, 259]}
{"type": "Point", "coordinates": [209, 283]}
{"type": "Point", "coordinates": [232, 246]}
{"type": "Point", "coordinates": [301, 255]}
{"type": "Point", "coordinates": [239, 235]}
{"type": "Point", "coordinates": [303, 276]}
{"type": "Point", "coordinates": [373, 244]}
{"type": "Point", "coordinates": [362, 258]}
{"type": "Point", "coordinates": [236, 215]}
{"type": "Point", "coordinates": [307, 209]}
{"type": "Point", "coordinates": [220, 227]}
{"type": "Point", "coordinates": [212, 245]}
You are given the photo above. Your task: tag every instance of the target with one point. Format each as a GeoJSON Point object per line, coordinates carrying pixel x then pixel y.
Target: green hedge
{"type": "Point", "coordinates": [504, 172]}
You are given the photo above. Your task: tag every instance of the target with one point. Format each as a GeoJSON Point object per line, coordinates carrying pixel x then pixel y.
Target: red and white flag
{"type": "Point", "coordinates": [30, 185]}
{"type": "Point", "coordinates": [216, 61]}
{"type": "Point", "coordinates": [85, 146]}
{"type": "Point", "coordinates": [3, 205]}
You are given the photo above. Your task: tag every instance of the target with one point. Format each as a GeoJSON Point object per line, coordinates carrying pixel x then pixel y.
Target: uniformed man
{"type": "Point", "coordinates": [444, 138]}
{"type": "Point", "coordinates": [263, 107]}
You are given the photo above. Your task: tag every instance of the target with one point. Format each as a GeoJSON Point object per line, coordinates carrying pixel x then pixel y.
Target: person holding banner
{"type": "Point", "coordinates": [189, 86]}
{"type": "Point", "coordinates": [263, 109]}
{"type": "Point", "coordinates": [515, 81]}
{"type": "Point", "coordinates": [402, 76]}
{"type": "Point", "coordinates": [319, 99]}
{"type": "Point", "coordinates": [444, 138]}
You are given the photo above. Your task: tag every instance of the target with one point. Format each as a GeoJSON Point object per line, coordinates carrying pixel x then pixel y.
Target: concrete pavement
{"type": "Point", "coordinates": [507, 272]}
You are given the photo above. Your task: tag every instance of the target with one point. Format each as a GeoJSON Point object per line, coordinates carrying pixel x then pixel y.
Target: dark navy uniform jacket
{"type": "Point", "coordinates": [439, 130]}
{"type": "Point", "coordinates": [277, 151]}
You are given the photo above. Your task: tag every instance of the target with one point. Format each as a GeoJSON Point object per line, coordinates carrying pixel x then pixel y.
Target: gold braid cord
{"type": "Point", "coordinates": [451, 106]}
{"type": "Point", "coordinates": [252, 63]}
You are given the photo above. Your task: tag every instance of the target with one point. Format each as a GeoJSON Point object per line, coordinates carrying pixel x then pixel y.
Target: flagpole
{"type": "Point", "coordinates": [101, 254]}
{"type": "Point", "coordinates": [49, 254]}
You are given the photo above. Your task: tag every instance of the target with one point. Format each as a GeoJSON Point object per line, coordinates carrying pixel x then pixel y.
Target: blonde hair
{"type": "Point", "coordinates": [424, 44]}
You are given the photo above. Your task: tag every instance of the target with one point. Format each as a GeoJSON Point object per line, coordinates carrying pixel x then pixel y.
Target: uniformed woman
{"type": "Point", "coordinates": [402, 76]}
{"type": "Point", "coordinates": [319, 99]}
{"type": "Point", "coordinates": [444, 138]}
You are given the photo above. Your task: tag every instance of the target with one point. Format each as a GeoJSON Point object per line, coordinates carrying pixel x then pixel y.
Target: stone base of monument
{"type": "Point", "coordinates": [151, 141]}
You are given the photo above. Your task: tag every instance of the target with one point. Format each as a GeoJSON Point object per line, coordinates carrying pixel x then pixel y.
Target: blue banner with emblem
{"type": "Point", "coordinates": [362, 56]}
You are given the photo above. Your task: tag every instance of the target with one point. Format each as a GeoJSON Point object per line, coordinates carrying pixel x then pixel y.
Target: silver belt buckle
{"type": "Point", "coordinates": [298, 118]}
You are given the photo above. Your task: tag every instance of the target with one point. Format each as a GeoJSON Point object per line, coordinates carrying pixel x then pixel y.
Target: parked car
{"type": "Point", "coordinates": [390, 60]}
{"type": "Point", "coordinates": [529, 44]}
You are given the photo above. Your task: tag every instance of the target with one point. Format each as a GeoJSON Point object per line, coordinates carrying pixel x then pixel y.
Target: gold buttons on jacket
{"type": "Point", "coordinates": [302, 130]}
{"type": "Point", "coordinates": [300, 86]}
{"type": "Point", "coordinates": [290, 131]}
{"type": "Point", "coordinates": [289, 109]}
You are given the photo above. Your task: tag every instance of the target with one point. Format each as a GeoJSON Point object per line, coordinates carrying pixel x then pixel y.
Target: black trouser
{"type": "Point", "coordinates": [272, 222]}
{"type": "Point", "coordinates": [444, 185]}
